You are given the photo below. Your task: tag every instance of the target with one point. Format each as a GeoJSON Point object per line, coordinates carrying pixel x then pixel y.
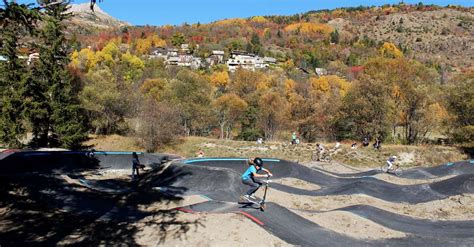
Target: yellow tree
{"type": "Point", "coordinates": [309, 28]}
{"type": "Point", "coordinates": [154, 88]}
{"type": "Point", "coordinates": [220, 80]}
{"type": "Point", "coordinates": [273, 113]}
{"type": "Point", "coordinates": [228, 108]}
{"type": "Point", "coordinates": [84, 60]}
{"type": "Point", "coordinates": [331, 85]}
{"type": "Point", "coordinates": [289, 87]}
{"type": "Point", "coordinates": [143, 46]}
{"type": "Point", "coordinates": [390, 50]}
{"type": "Point", "coordinates": [244, 84]}
{"type": "Point", "coordinates": [433, 118]}
{"type": "Point", "coordinates": [258, 19]}
{"type": "Point", "coordinates": [157, 41]}
{"type": "Point", "coordinates": [132, 67]}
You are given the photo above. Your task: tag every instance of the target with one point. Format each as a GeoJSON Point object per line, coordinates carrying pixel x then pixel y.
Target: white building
{"type": "Point", "coordinates": [196, 63]}
{"type": "Point", "coordinates": [159, 53]}
{"type": "Point", "coordinates": [185, 48]}
{"type": "Point", "coordinates": [269, 60]}
{"type": "Point", "coordinates": [320, 71]}
{"type": "Point", "coordinates": [248, 61]}
{"type": "Point", "coordinates": [217, 57]}
{"type": "Point", "coordinates": [172, 60]}
{"type": "Point", "coordinates": [238, 59]}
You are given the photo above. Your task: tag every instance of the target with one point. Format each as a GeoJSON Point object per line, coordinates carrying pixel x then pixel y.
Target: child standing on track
{"type": "Point", "coordinates": [135, 165]}
{"type": "Point", "coordinates": [248, 178]}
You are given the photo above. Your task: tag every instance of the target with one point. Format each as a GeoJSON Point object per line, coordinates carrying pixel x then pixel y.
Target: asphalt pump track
{"type": "Point", "coordinates": [218, 181]}
{"type": "Point", "coordinates": [284, 223]}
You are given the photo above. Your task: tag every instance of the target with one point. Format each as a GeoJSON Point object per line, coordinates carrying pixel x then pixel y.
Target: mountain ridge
{"type": "Point", "coordinates": [84, 19]}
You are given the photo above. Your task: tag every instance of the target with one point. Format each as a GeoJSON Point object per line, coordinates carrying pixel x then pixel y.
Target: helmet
{"type": "Point", "coordinates": [394, 157]}
{"type": "Point", "coordinates": [258, 162]}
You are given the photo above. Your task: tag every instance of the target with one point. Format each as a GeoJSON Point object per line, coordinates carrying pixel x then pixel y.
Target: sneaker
{"type": "Point", "coordinates": [246, 197]}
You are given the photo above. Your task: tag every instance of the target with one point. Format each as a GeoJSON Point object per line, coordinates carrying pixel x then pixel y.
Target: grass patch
{"type": "Point", "coordinates": [409, 156]}
{"type": "Point", "coordinates": [114, 143]}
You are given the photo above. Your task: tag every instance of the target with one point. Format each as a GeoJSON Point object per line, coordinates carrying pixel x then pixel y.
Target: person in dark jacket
{"type": "Point", "coordinates": [135, 165]}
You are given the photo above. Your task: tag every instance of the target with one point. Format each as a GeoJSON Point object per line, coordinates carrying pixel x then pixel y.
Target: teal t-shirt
{"type": "Point", "coordinates": [248, 173]}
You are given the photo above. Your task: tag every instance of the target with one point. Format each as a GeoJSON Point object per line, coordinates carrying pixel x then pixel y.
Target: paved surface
{"type": "Point", "coordinates": [64, 161]}
{"type": "Point", "coordinates": [52, 177]}
{"type": "Point", "coordinates": [331, 185]}
{"type": "Point", "coordinates": [296, 230]}
{"type": "Point", "coordinates": [456, 168]}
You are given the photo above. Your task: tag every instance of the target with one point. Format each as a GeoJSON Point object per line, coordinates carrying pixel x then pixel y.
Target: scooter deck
{"type": "Point", "coordinates": [250, 201]}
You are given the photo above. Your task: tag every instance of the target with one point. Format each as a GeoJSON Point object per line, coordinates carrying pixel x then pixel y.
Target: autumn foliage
{"type": "Point", "coordinates": [368, 89]}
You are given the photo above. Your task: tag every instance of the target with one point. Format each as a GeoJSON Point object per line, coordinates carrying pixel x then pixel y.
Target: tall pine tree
{"type": "Point", "coordinates": [17, 22]}
{"type": "Point", "coordinates": [56, 116]}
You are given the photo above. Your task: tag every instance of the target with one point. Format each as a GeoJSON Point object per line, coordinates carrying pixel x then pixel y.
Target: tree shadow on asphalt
{"type": "Point", "coordinates": [42, 208]}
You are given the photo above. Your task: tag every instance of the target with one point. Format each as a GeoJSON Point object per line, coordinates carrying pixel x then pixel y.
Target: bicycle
{"type": "Point", "coordinates": [323, 157]}
{"type": "Point", "coordinates": [397, 171]}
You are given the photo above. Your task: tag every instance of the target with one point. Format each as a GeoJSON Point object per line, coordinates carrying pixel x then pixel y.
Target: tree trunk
{"type": "Point", "coordinates": [222, 130]}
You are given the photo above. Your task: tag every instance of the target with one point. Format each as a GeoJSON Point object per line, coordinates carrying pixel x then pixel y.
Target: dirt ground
{"type": "Point", "coordinates": [212, 230]}
{"type": "Point", "coordinates": [351, 225]}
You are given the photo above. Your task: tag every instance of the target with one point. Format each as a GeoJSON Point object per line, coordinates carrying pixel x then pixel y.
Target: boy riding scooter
{"type": "Point", "coordinates": [250, 175]}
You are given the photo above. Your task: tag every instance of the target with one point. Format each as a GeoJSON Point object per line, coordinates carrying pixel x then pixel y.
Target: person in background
{"type": "Point", "coordinates": [200, 153]}
{"type": "Point", "coordinates": [365, 142]}
{"type": "Point", "coordinates": [293, 138]}
{"type": "Point", "coordinates": [320, 150]}
{"type": "Point", "coordinates": [378, 143]}
{"type": "Point", "coordinates": [354, 145]}
{"type": "Point", "coordinates": [135, 165]}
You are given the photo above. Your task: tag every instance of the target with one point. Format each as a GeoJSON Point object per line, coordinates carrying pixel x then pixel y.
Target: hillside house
{"type": "Point", "coordinates": [239, 59]}
{"type": "Point", "coordinates": [269, 60]}
{"type": "Point", "coordinates": [320, 71]}
{"type": "Point", "coordinates": [217, 57]}
{"type": "Point", "coordinates": [172, 61]}
{"type": "Point", "coordinates": [185, 48]}
{"type": "Point", "coordinates": [159, 53]}
{"type": "Point", "coordinates": [244, 60]}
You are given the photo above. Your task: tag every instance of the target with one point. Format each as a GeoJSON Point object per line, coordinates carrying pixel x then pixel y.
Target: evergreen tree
{"type": "Point", "coordinates": [335, 37]}
{"type": "Point", "coordinates": [54, 111]}
{"type": "Point", "coordinates": [17, 21]}
{"type": "Point", "coordinates": [255, 46]}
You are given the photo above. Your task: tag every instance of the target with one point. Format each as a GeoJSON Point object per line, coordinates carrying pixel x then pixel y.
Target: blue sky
{"type": "Point", "coordinates": [177, 12]}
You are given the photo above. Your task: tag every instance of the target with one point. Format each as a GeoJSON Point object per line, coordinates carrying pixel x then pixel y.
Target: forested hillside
{"type": "Point", "coordinates": [390, 73]}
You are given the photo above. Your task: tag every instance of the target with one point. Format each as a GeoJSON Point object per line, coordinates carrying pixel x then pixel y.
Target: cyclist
{"type": "Point", "coordinates": [320, 151]}
{"type": "Point", "coordinates": [250, 175]}
{"type": "Point", "coordinates": [390, 162]}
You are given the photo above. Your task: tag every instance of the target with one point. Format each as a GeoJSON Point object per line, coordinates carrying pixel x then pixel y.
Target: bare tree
{"type": "Point", "coordinates": [159, 125]}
